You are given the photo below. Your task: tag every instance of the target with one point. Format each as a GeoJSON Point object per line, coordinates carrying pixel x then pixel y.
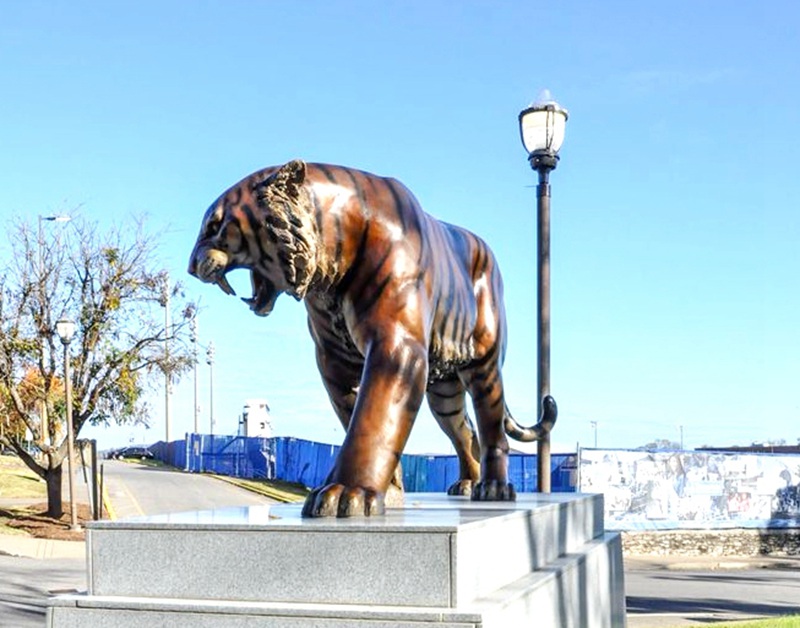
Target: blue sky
{"type": "Point", "coordinates": [675, 214]}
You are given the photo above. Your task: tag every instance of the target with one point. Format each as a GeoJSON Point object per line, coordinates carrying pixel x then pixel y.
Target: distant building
{"type": "Point", "coordinates": [255, 419]}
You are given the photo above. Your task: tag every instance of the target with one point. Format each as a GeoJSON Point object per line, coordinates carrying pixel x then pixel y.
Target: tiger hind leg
{"type": "Point", "coordinates": [485, 386]}
{"type": "Point", "coordinates": [446, 401]}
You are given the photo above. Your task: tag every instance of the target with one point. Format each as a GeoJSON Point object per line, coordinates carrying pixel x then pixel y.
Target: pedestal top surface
{"type": "Point", "coordinates": [421, 511]}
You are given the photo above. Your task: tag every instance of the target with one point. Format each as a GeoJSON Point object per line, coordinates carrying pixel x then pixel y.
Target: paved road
{"type": "Point", "coordinates": [665, 593]}
{"type": "Point", "coordinates": [135, 490]}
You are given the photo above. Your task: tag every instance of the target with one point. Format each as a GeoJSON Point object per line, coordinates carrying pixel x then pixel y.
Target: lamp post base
{"type": "Point", "coordinates": [543, 161]}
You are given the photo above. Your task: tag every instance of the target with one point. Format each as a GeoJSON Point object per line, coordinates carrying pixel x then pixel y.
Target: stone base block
{"type": "Point", "coordinates": [439, 561]}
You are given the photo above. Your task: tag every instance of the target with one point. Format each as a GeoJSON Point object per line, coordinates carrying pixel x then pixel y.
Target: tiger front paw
{"type": "Point", "coordinates": [338, 500]}
{"type": "Point", "coordinates": [493, 491]}
{"type": "Point", "coordinates": [461, 487]}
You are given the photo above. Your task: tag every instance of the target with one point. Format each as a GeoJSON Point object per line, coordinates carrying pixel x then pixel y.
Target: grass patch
{"type": "Point", "coordinates": [278, 490]}
{"type": "Point", "coordinates": [17, 481]}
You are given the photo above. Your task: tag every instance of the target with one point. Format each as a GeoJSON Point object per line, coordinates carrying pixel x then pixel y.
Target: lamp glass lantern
{"type": "Point", "coordinates": [65, 329]}
{"type": "Point", "coordinates": [542, 126]}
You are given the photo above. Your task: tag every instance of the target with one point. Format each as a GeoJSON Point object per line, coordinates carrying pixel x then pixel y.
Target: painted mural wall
{"type": "Point", "coordinates": [687, 489]}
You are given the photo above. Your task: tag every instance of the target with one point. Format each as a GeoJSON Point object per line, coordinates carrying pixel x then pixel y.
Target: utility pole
{"type": "Point", "coordinates": [193, 328]}
{"type": "Point", "coordinates": [594, 427]}
{"type": "Point", "coordinates": [40, 284]}
{"type": "Point", "coordinates": [210, 362]}
{"type": "Point", "coordinates": [165, 303]}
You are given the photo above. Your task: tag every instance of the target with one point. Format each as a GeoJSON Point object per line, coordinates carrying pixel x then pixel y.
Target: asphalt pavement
{"type": "Point", "coordinates": [661, 591]}
{"type": "Point", "coordinates": [692, 591]}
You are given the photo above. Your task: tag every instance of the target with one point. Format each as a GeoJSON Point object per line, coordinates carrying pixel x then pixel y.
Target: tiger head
{"type": "Point", "coordinates": [264, 224]}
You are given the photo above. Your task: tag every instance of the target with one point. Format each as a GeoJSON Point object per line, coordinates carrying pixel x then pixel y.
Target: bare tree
{"type": "Point", "coordinates": [110, 285]}
{"type": "Point", "coordinates": [661, 444]}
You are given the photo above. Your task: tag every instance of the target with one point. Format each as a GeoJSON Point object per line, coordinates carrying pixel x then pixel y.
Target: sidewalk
{"type": "Point", "coordinates": [30, 547]}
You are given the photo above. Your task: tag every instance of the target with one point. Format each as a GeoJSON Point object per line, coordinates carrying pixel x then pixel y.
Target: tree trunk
{"type": "Point", "coordinates": [55, 507]}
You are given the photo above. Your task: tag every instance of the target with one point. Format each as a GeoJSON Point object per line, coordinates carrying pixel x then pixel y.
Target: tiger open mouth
{"type": "Point", "coordinates": [264, 295]}
{"type": "Point", "coordinates": [214, 266]}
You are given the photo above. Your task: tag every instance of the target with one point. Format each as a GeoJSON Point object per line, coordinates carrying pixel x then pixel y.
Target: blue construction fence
{"type": "Point", "coordinates": [308, 463]}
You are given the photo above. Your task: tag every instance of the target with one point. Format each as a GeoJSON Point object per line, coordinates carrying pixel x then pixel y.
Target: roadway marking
{"type": "Point", "coordinates": [122, 491]}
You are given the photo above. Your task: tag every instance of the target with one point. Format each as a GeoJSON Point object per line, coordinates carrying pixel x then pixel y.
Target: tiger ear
{"type": "Point", "coordinates": [291, 176]}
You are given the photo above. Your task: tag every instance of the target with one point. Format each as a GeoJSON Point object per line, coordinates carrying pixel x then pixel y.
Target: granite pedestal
{"type": "Point", "coordinates": [438, 561]}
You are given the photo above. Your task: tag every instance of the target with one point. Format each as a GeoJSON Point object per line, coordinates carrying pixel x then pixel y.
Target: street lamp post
{"type": "Point", "coordinates": [210, 362]}
{"type": "Point", "coordinates": [542, 130]}
{"type": "Point", "coordinates": [165, 303]}
{"type": "Point", "coordinates": [193, 337]}
{"type": "Point", "coordinates": [39, 279]}
{"type": "Point", "coordinates": [65, 329]}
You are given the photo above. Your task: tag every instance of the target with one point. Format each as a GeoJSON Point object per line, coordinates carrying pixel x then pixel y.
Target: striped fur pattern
{"type": "Point", "coordinates": [400, 306]}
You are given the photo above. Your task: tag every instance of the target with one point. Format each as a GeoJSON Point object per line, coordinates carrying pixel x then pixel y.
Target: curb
{"type": "Point", "coordinates": [716, 563]}
{"type": "Point", "coordinates": [107, 505]}
{"type": "Point", "coordinates": [277, 495]}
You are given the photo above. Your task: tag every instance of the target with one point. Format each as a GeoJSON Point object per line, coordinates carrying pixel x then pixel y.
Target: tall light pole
{"type": "Point", "coordinates": [65, 329]}
{"type": "Point", "coordinates": [681, 427]}
{"type": "Point", "coordinates": [164, 301]}
{"type": "Point", "coordinates": [193, 337]}
{"type": "Point", "coordinates": [594, 427]}
{"type": "Point", "coordinates": [39, 280]}
{"type": "Point", "coordinates": [542, 128]}
{"type": "Point", "coordinates": [210, 362]}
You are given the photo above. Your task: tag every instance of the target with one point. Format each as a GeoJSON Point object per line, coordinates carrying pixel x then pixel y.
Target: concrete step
{"type": "Point", "coordinates": [581, 590]}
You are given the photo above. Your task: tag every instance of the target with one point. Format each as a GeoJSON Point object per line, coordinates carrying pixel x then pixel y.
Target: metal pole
{"type": "Point", "coordinates": [211, 394]}
{"type": "Point", "coordinates": [681, 437]}
{"type": "Point", "coordinates": [95, 483]}
{"type": "Point", "coordinates": [102, 487]}
{"type": "Point", "coordinates": [70, 452]}
{"type": "Point", "coordinates": [167, 378]}
{"type": "Point", "coordinates": [39, 248]}
{"type": "Point", "coordinates": [210, 362]}
{"type": "Point", "coordinates": [594, 427]}
{"type": "Point", "coordinates": [194, 362]}
{"type": "Point", "coordinates": [543, 318]}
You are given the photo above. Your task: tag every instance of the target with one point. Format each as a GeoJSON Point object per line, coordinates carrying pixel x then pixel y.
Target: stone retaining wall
{"type": "Point", "coordinates": [737, 542]}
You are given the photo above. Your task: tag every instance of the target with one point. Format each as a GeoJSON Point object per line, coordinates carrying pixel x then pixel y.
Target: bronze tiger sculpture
{"type": "Point", "coordinates": [400, 306]}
